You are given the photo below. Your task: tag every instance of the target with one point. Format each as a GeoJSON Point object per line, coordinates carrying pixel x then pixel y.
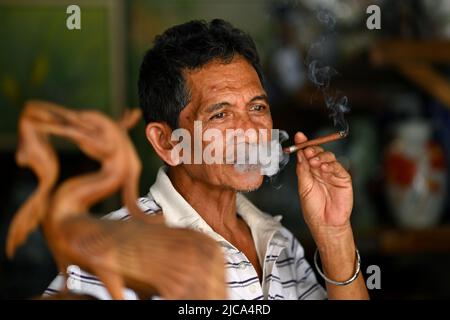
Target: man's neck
{"type": "Point", "coordinates": [217, 206]}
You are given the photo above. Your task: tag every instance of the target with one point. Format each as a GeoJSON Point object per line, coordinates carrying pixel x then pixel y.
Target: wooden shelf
{"type": "Point", "coordinates": [414, 59]}
{"type": "Point", "coordinates": [396, 242]}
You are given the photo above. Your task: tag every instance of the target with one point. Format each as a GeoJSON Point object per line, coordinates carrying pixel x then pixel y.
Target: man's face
{"type": "Point", "coordinates": [226, 96]}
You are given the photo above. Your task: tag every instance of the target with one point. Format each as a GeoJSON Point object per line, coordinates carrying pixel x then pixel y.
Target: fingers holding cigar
{"type": "Point", "coordinates": [300, 138]}
{"type": "Point", "coordinates": [313, 151]}
{"type": "Point", "coordinates": [319, 160]}
{"type": "Point", "coordinates": [325, 162]}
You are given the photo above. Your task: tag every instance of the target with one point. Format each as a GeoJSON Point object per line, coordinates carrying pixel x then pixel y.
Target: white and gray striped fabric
{"type": "Point", "coordinates": [286, 273]}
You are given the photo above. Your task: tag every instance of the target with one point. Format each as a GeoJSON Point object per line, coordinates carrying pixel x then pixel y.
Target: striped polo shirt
{"type": "Point", "coordinates": [286, 273]}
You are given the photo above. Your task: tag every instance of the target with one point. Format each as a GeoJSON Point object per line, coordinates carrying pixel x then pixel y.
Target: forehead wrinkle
{"type": "Point", "coordinates": [229, 92]}
{"type": "Point", "coordinates": [237, 82]}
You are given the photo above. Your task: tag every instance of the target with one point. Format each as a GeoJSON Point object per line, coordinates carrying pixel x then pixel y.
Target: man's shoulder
{"type": "Point", "coordinates": [146, 204]}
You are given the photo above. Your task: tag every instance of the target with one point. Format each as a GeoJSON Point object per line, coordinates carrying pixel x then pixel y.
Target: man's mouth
{"type": "Point", "coordinates": [261, 157]}
{"type": "Point", "coordinates": [244, 168]}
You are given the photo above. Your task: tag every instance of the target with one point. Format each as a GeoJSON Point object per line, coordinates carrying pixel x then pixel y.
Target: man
{"type": "Point", "coordinates": [210, 73]}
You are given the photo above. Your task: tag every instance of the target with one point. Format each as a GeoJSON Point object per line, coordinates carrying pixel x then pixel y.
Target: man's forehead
{"type": "Point", "coordinates": [219, 79]}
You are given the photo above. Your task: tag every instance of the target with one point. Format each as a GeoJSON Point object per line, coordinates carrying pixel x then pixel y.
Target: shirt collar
{"type": "Point", "coordinates": [179, 213]}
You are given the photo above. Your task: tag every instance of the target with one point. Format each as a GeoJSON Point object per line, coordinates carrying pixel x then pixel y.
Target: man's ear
{"type": "Point", "coordinates": [159, 135]}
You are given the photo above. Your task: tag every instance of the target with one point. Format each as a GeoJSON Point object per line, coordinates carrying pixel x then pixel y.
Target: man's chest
{"type": "Point", "coordinates": [243, 240]}
{"type": "Point", "coordinates": [243, 281]}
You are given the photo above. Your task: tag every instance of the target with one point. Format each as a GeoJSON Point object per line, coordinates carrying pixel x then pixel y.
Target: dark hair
{"type": "Point", "coordinates": [163, 92]}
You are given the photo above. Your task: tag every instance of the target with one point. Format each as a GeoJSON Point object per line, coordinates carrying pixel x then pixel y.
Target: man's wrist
{"type": "Point", "coordinates": [337, 252]}
{"type": "Point", "coordinates": [328, 237]}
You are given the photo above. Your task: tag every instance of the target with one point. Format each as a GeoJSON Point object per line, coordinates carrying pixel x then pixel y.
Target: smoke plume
{"type": "Point", "coordinates": [320, 73]}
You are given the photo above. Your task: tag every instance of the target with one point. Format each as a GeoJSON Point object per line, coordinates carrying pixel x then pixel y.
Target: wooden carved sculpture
{"type": "Point", "coordinates": [141, 253]}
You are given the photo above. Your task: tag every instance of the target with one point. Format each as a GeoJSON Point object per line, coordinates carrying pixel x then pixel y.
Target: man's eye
{"type": "Point", "coordinates": [258, 107]}
{"type": "Point", "coordinates": [219, 115]}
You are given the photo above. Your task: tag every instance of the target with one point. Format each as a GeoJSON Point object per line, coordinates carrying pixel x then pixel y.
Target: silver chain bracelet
{"type": "Point", "coordinates": [339, 283]}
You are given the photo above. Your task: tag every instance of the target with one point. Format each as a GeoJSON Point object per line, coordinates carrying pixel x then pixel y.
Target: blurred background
{"type": "Point", "coordinates": [391, 84]}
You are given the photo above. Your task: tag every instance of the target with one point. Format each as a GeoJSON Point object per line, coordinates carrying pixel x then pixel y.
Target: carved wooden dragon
{"type": "Point", "coordinates": [141, 253]}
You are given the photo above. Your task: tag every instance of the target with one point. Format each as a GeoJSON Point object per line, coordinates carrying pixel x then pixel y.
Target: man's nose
{"type": "Point", "coordinates": [250, 127]}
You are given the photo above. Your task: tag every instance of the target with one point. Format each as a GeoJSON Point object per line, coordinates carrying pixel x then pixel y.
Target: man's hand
{"type": "Point", "coordinates": [325, 190]}
{"type": "Point", "coordinates": [326, 195]}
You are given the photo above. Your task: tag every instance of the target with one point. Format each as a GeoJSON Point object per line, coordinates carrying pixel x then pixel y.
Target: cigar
{"type": "Point", "coordinates": [314, 142]}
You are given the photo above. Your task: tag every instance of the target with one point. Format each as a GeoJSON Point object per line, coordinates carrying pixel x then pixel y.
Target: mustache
{"type": "Point", "coordinates": [265, 156]}
{"type": "Point", "coordinates": [246, 153]}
